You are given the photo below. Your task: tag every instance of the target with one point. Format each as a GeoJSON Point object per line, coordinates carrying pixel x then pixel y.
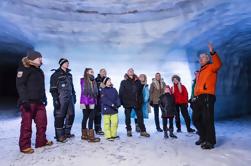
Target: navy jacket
{"type": "Point", "coordinates": [110, 101]}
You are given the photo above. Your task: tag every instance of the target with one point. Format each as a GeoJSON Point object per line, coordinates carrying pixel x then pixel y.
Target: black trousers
{"type": "Point", "coordinates": [156, 115]}
{"type": "Point", "coordinates": [88, 114]}
{"type": "Point", "coordinates": [165, 121]}
{"type": "Point", "coordinates": [183, 109]}
{"type": "Point", "coordinates": [64, 117]}
{"type": "Point", "coordinates": [204, 117]}
{"type": "Point", "coordinates": [140, 119]}
{"type": "Point", "coordinates": [98, 118]}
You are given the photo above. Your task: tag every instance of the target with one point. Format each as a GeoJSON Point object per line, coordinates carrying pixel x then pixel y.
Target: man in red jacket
{"type": "Point", "coordinates": [181, 102]}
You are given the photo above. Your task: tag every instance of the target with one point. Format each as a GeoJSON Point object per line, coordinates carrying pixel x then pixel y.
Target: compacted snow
{"type": "Point", "coordinates": [233, 147]}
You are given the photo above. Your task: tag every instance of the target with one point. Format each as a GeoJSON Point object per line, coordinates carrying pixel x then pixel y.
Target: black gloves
{"type": "Point", "coordinates": [56, 104]}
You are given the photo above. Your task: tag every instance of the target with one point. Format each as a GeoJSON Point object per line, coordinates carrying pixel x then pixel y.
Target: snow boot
{"type": "Point", "coordinates": [172, 135]}
{"type": "Point", "coordinates": [84, 134]}
{"type": "Point", "coordinates": [92, 137]}
{"type": "Point", "coordinates": [28, 151]}
{"type": "Point", "coordinates": [178, 130]}
{"type": "Point", "coordinates": [129, 133]}
{"type": "Point", "coordinates": [100, 132]}
{"type": "Point", "coordinates": [69, 135]}
{"type": "Point", "coordinates": [165, 135]}
{"type": "Point", "coordinates": [61, 139]}
{"type": "Point", "coordinates": [190, 130]}
{"type": "Point", "coordinates": [144, 134]}
{"type": "Point", "coordinates": [110, 139]}
{"type": "Point", "coordinates": [207, 146]}
{"type": "Point", "coordinates": [199, 142]}
{"type": "Point", "coordinates": [159, 130]}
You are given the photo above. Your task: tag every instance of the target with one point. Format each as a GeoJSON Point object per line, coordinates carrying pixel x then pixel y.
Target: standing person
{"type": "Point", "coordinates": [88, 100]}
{"type": "Point", "coordinates": [192, 101]}
{"type": "Point", "coordinates": [130, 94]}
{"type": "Point", "coordinates": [98, 118]}
{"type": "Point", "coordinates": [204, 91]}
{"type": "Point", "coordinates": [167, 105]}
{"type": "Point", "coordinates": [181, 101]}
{"type": "Point", "coordinates": [145, 105]}
{"type": "Point", "coordinates": [32, 101]}
{"type": "Point", "coordinates": [64, 99]}
{"type": "Point", "coordinates": [156, 90]}
{"type": "Point", "coordinates": [110, 103]}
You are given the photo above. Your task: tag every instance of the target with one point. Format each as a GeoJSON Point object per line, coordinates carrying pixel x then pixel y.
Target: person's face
{"type": "Point", "coordinates": [167, 90]}
{"type": "Point", "coordinates": [38, 61]}
{"type": "Point", "coordinates": [66, 65]}
{"type": "Point", "coordinates": [142, 78]}
{"type": "Point", "coordinates": [204, 59]}
{"type": "Point", "coordinates": [158, 77]}
{"type": "Point", "coordinates": [103, 73]}
{"type": "Point", "coordinates": [90, 72]}
{"type": "Point", "coordinates": [175, 81]}
{"type": "Point", "coordinates": [130, 72]}
{"type": "Point", "coordinates": [109, 83]}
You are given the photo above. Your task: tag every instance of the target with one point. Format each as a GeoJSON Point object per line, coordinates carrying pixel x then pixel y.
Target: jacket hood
{"type": "Point", "coordinates": [135, 77]}
{"type": "Point", "coordinates": [28, 63]}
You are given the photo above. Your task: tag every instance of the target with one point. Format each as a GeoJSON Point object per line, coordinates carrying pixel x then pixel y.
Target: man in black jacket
{"type": "Point", "coordinates": [131, 97]}
{"type": "Point", "coordinates": [98, 117]}
{"type": "Point", "coordinates": [32, 101]}
{"type": "Point", "coordinates": [64, 98]}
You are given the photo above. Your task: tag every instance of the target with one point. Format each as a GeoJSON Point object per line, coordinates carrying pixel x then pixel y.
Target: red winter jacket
{"type": "Point", "coordinates": [180, 98]}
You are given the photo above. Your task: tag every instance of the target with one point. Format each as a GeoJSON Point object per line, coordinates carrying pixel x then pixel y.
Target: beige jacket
{"type": "Point", "coordinates": [156, 90]}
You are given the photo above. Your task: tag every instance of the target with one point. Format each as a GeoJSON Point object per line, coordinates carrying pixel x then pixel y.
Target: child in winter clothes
{"type": "Point", "coordinates": [167, 105]}
{"type": "Point", "coordinates": [110, 103]}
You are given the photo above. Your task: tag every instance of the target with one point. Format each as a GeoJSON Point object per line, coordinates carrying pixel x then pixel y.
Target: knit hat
{"type": "Point", "coordinates": [105, 80]}
{"type": "Point", "coordinates": [32, 55]}
{"type": "Point", "coordinates": [62, 61]}
{"type": "Point", "coordinates": [177, 77]}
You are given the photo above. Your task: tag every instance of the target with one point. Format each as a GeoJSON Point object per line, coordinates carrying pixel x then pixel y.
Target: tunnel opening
{"type": "Point", "coordinates": [8, 69]}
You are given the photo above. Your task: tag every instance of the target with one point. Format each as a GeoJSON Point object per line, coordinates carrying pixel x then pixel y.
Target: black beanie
{"type": "Point", "coordinates": [32, 55]}
{"type": "Point", "coordinates": [62, 61]}
{"type": "Point", "coordinates": [105, 80]}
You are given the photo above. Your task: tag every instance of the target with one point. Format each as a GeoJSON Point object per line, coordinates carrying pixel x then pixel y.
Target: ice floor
{"type": "Point", "coordinates": [233, 148]}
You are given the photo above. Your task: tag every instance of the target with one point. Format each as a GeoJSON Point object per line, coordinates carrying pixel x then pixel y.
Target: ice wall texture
{"type": "Point", "coordinates": [164, 35]}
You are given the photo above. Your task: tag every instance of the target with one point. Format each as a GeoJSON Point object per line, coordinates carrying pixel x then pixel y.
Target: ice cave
{"type": "Point", "coordinates": [165, 36]}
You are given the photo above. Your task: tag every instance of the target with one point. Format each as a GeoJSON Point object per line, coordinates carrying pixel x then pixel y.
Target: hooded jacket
{"type": "Point", "coordinates": [30, 83]}
{"type": "Point", "coordinates": [207, 77]}
{"type": "Point", "coordinates": [156, 90]}
{"type": "Point", "coordinates": [130, 92]}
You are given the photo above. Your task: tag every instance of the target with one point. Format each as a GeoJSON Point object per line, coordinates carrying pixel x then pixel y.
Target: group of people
{"type": "Point", "coordinates": [99, 97]}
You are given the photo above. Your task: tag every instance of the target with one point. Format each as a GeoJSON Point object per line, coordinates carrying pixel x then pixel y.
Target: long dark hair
{"type": "Point", "coordinates": [90, 87]}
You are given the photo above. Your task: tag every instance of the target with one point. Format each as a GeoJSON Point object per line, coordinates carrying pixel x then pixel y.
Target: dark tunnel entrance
{"type": "Point", "coordinates": [8, 68]}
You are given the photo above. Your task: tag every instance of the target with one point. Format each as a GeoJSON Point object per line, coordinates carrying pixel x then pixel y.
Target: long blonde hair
{"type": "Point", "coordinates": [145, 78]}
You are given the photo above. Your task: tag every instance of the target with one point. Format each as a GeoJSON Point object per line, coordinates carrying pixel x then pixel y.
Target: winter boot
{"type": "Point", "coordinates": [61, 139]}
{"type": "Point", "coordinates": [84, 134]}
{"type": "Point", "coordinates": [199, 142]}
{"type": "Point", "coordinates": [137, 129]}
{"type": "Point", "coordinates": [69, 135]}
{"type": "Point", "coordinates": [92, 137]}
{"type": "Point", "coordinates": [100, 132]}
{"type": "Point", "coordinates": [159, 130]}
{"type": "Point", "coordinates": [49, 143]}
{"type": "Point", "coordinates": [144, 134]}
{"type": "Point", "coordinates": [165, 135]}
{"type": "Point", "coordinates": [190, 130]}
{"type": "Point", "coordinates": [172, 135]}
{"type": "Point", "coordinates": [178, 130]}
{"type": "Point", "coordinates": [207, 146]}
{"type": "Point", "coordinates": [129, 133]}
{"type": "Point", "coordinates": [28, 151]}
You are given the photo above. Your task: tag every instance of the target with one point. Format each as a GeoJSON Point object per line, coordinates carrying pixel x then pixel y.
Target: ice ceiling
{"type": "Point", "coordinates": [150, 35]}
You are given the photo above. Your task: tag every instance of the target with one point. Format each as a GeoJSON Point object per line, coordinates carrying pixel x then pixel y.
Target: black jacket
{"type": "Point", "coordinates": [61, 85]}
{"type": "Point", "coordinates": [30, 84]}
{"type": "Point", "coordinates": [99, 80]}
{"type": "Point", "coordinates": [167, 105]}
{"type": "Point", "coordinates": [130, 93]}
